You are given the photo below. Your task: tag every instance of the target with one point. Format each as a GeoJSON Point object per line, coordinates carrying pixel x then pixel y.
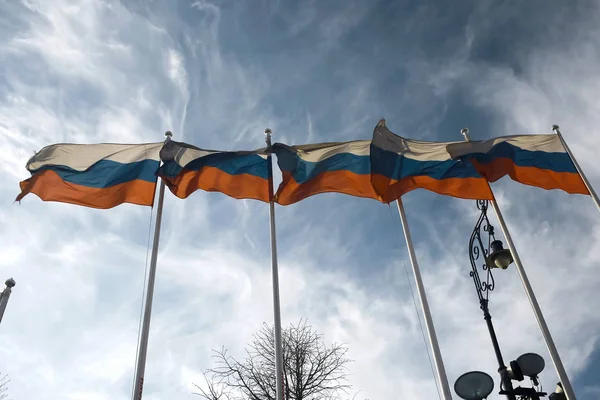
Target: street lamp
{"type": "Point", "coordinates": [474, 385]}
{"type": "Point", "coordinates": [558, 394]}
{"type": "Point", "coordinates": [531, 365]}
{"type": "Point", "coordinates": [5, 294]}
{"type": "Point", "coordinates": [478, 385]}
{"type": "Point", "coordinates": [500, 257]}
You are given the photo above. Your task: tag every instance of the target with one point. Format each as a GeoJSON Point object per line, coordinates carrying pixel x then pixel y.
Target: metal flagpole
{"type": "Point", "coordinates": [4, 296]}
{"type": "Point", "coordinates": [275, 272]}
{"type": "Point", "coordinates": [558, 365]}
{"type": "Point", "coordinates": [143, 344]}
{"type": "Point", "coordinates": [437, 355]}
{"type": "Point", "coordinates": [587, 183]}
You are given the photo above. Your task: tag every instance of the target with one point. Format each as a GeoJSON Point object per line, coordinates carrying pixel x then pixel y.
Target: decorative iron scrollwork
{"type": "Point", "coordinates": [479, 253]}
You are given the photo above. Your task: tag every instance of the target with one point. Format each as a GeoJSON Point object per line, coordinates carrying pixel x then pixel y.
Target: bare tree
{"type": "Point", "coordinates": [4, 387]}
{"type": "Point", "coordinates": [312, 370]}
{"type": "Point", "coordinates": [214, 390]}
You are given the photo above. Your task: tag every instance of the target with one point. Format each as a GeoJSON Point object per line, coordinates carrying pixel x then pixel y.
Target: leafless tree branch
{"type": "Point", "coordinates": [312, 370]}
{"type": "Point", "coordinates": [4, 380]}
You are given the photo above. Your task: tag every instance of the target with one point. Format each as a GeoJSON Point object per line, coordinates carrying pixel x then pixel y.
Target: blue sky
{"type": "Point", "coordinates": [217, 74]}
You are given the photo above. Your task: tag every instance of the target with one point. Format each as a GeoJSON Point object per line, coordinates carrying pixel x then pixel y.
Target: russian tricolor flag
{"type": "Point", "coordinates": [399, 165]}
{"type": "Point", "coordinates": [239, 174]}
{"type": "Point", "coordinates": [538, 160]}
{"type": "Point", "coordinates": [94, 175]}
{"type": "Point", "coordinates": [341, 167]}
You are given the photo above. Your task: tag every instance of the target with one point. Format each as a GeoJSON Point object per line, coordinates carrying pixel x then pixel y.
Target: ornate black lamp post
{"type": "Point", "coordinates": [4, 296]}
{"type": "Point", "coordinates": [478, 385]}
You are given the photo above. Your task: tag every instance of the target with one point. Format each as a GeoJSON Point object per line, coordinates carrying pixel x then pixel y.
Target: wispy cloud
{"type": "Point", "coordinates": [217, 74]}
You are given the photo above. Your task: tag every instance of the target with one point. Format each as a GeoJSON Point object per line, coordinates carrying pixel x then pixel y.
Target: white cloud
{"type": "Point", "coordinates": [95, 71]}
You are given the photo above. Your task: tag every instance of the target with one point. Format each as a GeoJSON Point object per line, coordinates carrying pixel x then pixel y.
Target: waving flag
{"type": "Point", "coordinates": [400, 165]}
{"type": "Point", "coordinates": [310, 169]}
{"type": "Point", "coordinates": [94, 175]}
{"type": "Point", "coordinates": [536, 160]}
{"type": "Point", "coordinates": [239, 174]}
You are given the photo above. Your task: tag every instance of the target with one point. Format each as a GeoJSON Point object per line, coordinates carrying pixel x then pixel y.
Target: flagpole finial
{"type": "Point", "coordinates": [555, 128]}
{"type": "Point", "coordinates": [465, 133]}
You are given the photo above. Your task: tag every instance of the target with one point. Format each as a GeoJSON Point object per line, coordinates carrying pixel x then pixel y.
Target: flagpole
{"type": "Point", "coordinates": [275, 273]}
{"type": "Point", "coordinates": [143, 344]}
{"type": "Point", "coordinates": [556, 360]}
{"type": "Point", "coordinates": [437, 355]}
{"type": "Point", "coordinates": [5, 295]}
{"type": "Point", "coordinates": [587, 183]}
